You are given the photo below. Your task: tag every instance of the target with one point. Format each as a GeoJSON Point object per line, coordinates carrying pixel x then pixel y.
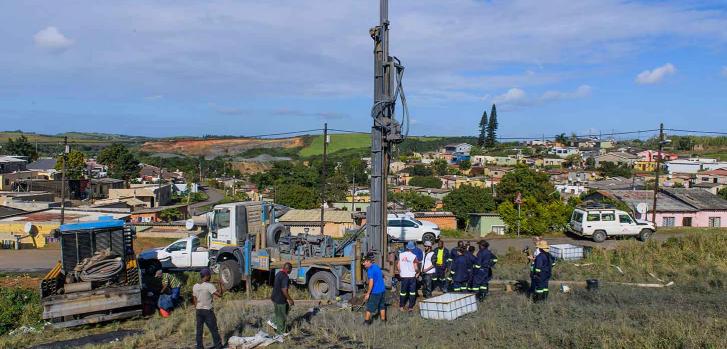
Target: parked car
{"type": "Point", "coordinates": [599, 223]}
{"type": "Point", "coordinates": [404, 227]}
{"type": "Point", "coordinates": [183, 254]}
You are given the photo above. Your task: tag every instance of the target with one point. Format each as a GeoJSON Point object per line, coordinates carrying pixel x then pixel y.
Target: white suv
{"type": "Point", "coordinates": [404, 227]}
{"type": "Point", "coordinates": [600, 223]}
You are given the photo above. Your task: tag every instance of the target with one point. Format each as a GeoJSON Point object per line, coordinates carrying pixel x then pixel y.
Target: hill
{"type": "Point", "coordinates": [73, 137]}
{"type": "Point", "coordinates": [212, 148]}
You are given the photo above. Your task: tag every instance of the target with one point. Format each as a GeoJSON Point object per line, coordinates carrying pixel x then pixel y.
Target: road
{"type": "Point", "coordinates": [213, 196]}
{"type": "Point", "coordinates": [42, 260]}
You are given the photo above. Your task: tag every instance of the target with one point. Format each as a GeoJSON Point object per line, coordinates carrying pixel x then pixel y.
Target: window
{"type": "Point", "coordinates": [395, 223]}
{"type": "Point", "coordinates": [222, 218]}
{"type": "Point", "coordinates": [195, 244]}
{"type": "Point", "coordinates": [498, 229]}
{"type": "Point", "coordinates": [592, 217]}
{"type": "Point", "coordinates": [715, 222]}
{"type": "Point", "coordinates": [686, 221]}
{"type": "Point", "coordinates": [608, 217]}
{"type": "Point", "coordinates": [577, 216]}
{"type": "Point", "coordinates": [667, 221]}
{"type": "Point", "coordinates": [177, 246]}
{"type": "Point", "coordinates": [408, 224]}
{"type": "Point", "coordinates": [625, 219]}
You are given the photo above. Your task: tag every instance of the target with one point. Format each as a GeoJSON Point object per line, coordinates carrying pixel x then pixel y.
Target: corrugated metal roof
{"type": "Point", "coordinates": [664, 202]}
{"type": "Point", "coordinates": [42, 164]}
{"type": "Point", "coordinates": [698, 198]}
{"type": "Point", "coordinates": [315, 216]}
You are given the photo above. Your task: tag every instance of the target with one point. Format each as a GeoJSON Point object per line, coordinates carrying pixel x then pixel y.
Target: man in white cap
{"type": "Point", "coordinates": [428, 269]}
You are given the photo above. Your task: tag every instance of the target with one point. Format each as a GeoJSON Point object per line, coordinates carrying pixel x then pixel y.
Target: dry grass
{"type": "Point", "coordinates": [687, 315]}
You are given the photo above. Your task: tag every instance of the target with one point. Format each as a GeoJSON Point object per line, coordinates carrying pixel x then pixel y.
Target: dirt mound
{"type": "Point", "coordinates": [211, 148]}
{"type": "Point", "coordinates": [250, 167]}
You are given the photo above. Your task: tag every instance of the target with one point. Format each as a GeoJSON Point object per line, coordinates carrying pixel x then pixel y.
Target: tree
{"type": "Point", "coordinates": [414, 201]}
{"type": "Point", "coordinates": [170, 214]}
{"type": "Point", "coordinates": [76, 164]}
{"type": "Point", "coordinates": [120, 161]}
{"type": "Point", "coordinates": [468, 199]}
{"type": "Point", "coordinates": [482, 138]}
{"type": "Point", "coordinates": [420, 170]}
{"type": "Point", "coordinates": [723, 193]}
{"type": "Point", "coordinates": [561, 138]}
{"type": "Point", "coordinates": [465, 165]}
{"type": "Point", "coordinates": [573, 160]}
{"type": "Point", "coordinates": [527, 182]}
{"type": "Point", "coordinates": [492, 128]}
{"type": "Point", "coordinates": [590, 163]}
{"type": "Point", "coordinates": [610, 169]}
{"type": "Point", "coordinates": [21, 147]}
{"type": "Point", "coordinates": [440, 167]}
{"type": "Point", "coordinates": [296, 196]}
{"type": "Point", "coordinates": [536, 218]}
{"type": "Point", "coordinates": [426, 182]}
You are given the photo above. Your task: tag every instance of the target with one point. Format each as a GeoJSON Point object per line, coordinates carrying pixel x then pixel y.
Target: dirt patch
{"type": "Point", "coordinates": [97, 339]}
{"type": "Point", "coordinates": [250, 167]}
{"type": "Point", "coordinates": [212, 148]}
{"type": "Point", "coordinates": [21, 281]}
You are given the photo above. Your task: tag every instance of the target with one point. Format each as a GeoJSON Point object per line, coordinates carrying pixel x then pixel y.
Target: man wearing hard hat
{"type": "Point", "coordinates": [541, 271]}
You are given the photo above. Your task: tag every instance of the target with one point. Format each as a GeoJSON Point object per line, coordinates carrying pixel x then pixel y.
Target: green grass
{"type": "Point", "coordinates": [73, 137]}
{"type": "Point", "coordinates": [337, 143]}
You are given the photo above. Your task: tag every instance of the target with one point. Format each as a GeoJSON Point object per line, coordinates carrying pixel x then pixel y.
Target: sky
{"type": "Point", "coordinates": [170, 68]}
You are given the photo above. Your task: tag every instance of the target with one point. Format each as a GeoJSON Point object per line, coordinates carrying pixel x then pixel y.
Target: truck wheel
{"type": "Point", "coordinates": [599, 236]}
{"type": "Point", "coordinates": [274, 233]}
{"type": "Point", "coordinates": [323, 285]}
{"type": "Point", "coordinates": [645, 234]}
{"type": "Point", "coordinates": [428, 237]}
{"type": "Point", "coordinates": [230, 274]}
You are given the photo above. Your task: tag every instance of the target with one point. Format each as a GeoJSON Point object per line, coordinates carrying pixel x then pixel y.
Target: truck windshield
{"type": "Point", "coordinates": [222, 218]}
{"type": "Point", "coordinates": [577, 216]}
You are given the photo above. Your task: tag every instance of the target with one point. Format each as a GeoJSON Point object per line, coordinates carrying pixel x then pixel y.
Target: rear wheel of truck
{"type": "Point", "coordinates": [230, 274]}
{"type": "Point", "coordinates": [323, 285]}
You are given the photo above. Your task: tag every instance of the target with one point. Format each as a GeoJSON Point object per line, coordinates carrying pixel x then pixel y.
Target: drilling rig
{"type": "Point", "coordinates": [386, 132]}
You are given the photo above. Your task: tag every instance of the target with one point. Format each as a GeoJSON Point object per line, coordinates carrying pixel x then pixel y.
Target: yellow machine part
{"type": "Point", "coordinates": [53, 273]}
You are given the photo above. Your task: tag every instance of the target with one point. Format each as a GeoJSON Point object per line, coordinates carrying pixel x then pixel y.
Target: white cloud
{"type": "Point", "coordinates": [52, 39]}
{"type": "Point", "coordinates": [655, 75]}
{"type": "Point", "coordinates": [519, 98]}
{"type": "Point", "coordinates": [724, 71]}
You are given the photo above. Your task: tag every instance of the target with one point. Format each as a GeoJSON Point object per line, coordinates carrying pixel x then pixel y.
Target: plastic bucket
{"type": "Point", "coordinates": [592, 284]}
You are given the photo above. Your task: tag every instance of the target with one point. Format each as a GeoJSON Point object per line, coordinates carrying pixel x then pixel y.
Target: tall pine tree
{"type": "Point", "coordinates": [492, 129]}
{"type": "Point", "coordinates": [482, 139]}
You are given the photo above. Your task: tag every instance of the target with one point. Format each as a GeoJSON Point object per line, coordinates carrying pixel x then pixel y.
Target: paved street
{"type": "Point", "coordinates": [213, 196]}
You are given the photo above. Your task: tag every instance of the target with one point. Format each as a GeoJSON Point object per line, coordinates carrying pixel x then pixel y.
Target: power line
{"type": "Point", "coordinates": [693, 131]}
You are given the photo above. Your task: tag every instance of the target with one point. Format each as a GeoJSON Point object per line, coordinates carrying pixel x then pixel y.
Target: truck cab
{"type": "Point", "coordinates": [601, 222]}
{"type": "Point", "coordinates": [182, 254]}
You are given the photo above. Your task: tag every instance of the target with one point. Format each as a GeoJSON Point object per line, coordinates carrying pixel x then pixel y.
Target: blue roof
{"type": "Point", "coordinates": [100, 224]}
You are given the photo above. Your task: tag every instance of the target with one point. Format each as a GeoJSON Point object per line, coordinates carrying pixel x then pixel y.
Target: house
{"type": "Point", "coordinates": [645, 166]}
{"type": "Point", "coordinates": [553, 162]}
{"type": "Point", "coordinates": [482, 160]}
{"type": "Point", "coordinates": [14, 180]}
{"type": "Point", "coordinates": [12, 164]}
{"type": "Point", "coordinates": [651, 155]}
{"type": "Point", "coordinates": [582, 143]}
{"type": "Point", "coordinates": [618, 158]}
{"type": "Point", "coordinates": [358, 206]}
{"type": "Point", "coordinates": [675, 207]}
{"type": "Point", "coordinates": [605, 144]}
{"type": "Point", "coordinates": [617, 183]}
{"type": "Point", "coordinates": [148, 215]}
{"type": "Point", "coordinates": [75, 189]}
{"type": "Point", "coordinates": [445, 220]}
{"type": "Point", "coordinates": [438, 194]}
{"type": "Point", "coordinates": [44, 223]}
{"type": "Point", "coordinates": [718, 176]}
{"type": "Point", "coordinates": [486, 223]}
{"type": "Point", "coordinates": [43, 164]}
{"type": "Point", "coordinates": [505, 161]}
{"type": "Point", "coordinates": [694, 165]}
{"type": "Point", "coordinates": [458, 148]}
{"type": "Point", "coordinates": [496, 172]}
{"type": "Point", "coordinates": [152, 195]}
{"type": "Point", "coordinates": [100, 187]}
{"type": "Point", "coordinates": [335, 223]}
{"type": "Point", "coordinates": [454, 181]}
{"type": "Point", "coordinates": [564, 152]}
{"type": "Point", "coordinates": [95, 169]}
{"type": "Point", "coordinates": [569, 190]}
{"type": "Point", "coordinates": [459, 157]}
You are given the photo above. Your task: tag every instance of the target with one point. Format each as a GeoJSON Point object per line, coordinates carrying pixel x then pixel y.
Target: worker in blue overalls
{"type": "Point", "coordinates": [441, 258]}
{"type": "Point", "coordinates": [453, 253]}
{"type": "Point", "coordinates": [542, 270]}
{"type": "Point", "coordinates": [471, 261]}
{"type": "Point", "coordinates": [483, 269]}
{"type": "Point", "coordinates": [460, 271]}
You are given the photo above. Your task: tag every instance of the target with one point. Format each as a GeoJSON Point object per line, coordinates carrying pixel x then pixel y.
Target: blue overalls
{"type": "Point", "coordinates": [460, 273]}
{"type": "Point", "coordinates": [542, 270]}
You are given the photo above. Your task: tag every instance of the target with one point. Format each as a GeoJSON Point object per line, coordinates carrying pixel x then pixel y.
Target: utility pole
{"type": "Point", "coordinates": [353, 190]}
{"type": "Point", "coordinates": [385, 132]}
{"type": "Point", "coordinates": [323, 175]}
{"type": "Point", "coordinates": [159, 189]}
{"type": "Point", "coordinates": [658, 168]}
{"type": "Point", "coordinates": [63, 180]}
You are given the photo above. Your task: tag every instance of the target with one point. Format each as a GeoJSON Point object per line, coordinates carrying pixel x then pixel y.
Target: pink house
{"type": "Point", "coordinates": [675, 207]}
{"type": "Point", "coordinates": [651, 155]}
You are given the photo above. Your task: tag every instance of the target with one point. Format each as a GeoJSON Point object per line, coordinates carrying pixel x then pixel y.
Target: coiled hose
{"type": "Point", "coordinates": [103, 270]}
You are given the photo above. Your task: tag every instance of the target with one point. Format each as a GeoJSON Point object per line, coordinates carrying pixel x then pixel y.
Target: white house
{"type": "Point", "coordinates": [564, 152]}
{"type": "Point", "coordinates": [461, 148]}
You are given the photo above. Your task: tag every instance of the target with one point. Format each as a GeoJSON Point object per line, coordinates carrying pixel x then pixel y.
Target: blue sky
{"type": "Point", "coordinates": [164, 68]}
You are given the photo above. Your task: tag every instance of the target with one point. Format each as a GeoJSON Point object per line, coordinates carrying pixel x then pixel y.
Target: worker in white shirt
{"type": "Point", "coordinates": [408, 273]}
{"type": "Point", "coordinates": [428, 269]}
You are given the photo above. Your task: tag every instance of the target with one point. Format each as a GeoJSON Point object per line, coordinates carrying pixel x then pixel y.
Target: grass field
{"type": "Point", "coordinates": [689, 314]}
{"type": "Point", "coordinates": [73, 137]}
{"type": "Point", "coordinates": [338, 142]}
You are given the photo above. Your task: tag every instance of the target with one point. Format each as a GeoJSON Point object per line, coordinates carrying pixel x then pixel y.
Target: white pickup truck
{"type": "Point", "coordinates": [182, 254]}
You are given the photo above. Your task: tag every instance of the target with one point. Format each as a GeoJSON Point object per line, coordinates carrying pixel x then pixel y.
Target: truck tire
{"type": "Point", "coordinates": [645, 234]}
{"type": "Point", "coordinates": [429, 237]}
{"type": "Point", "coordinates": [323, 285]}
{"type": "Point", "coordinates": [599, 236]}
{"type": "Point", "coordinates": [272, 236]}
{"type": "Point", "coordinates": [230, 274]}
